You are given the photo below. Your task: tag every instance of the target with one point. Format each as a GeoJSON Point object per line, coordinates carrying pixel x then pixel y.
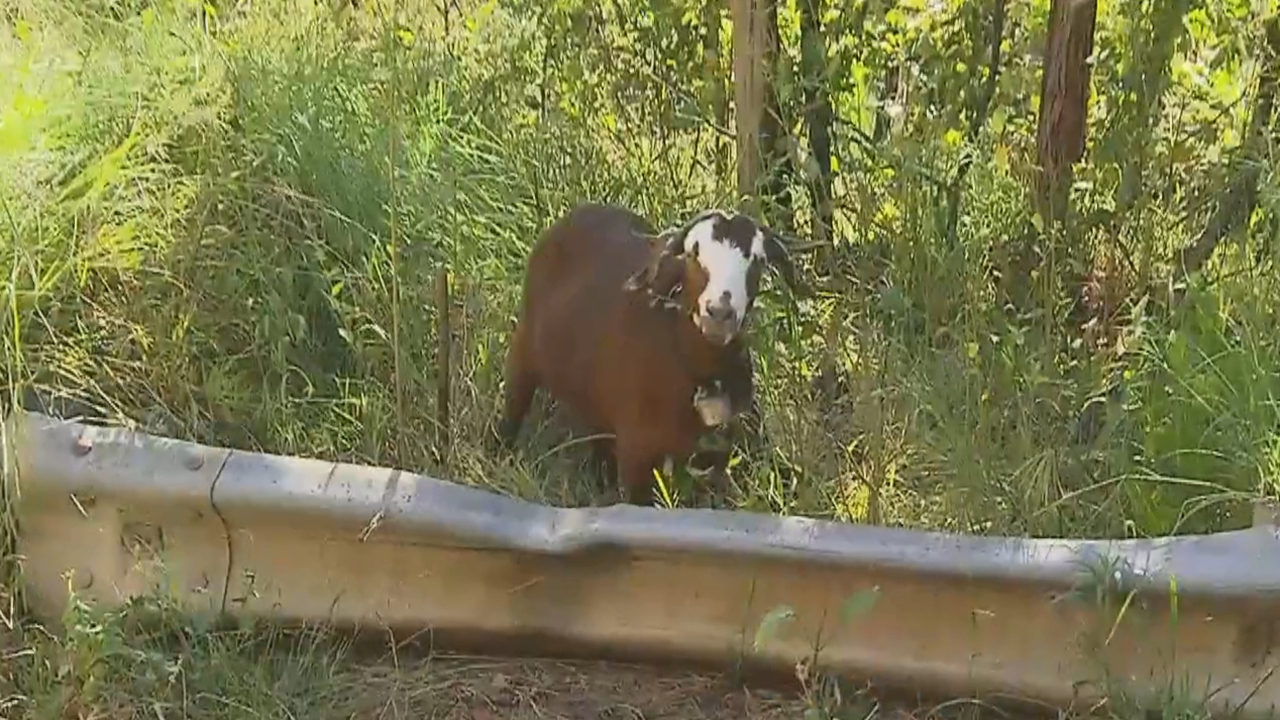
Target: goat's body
{"type": "Point", "coordinates": [618, 364]}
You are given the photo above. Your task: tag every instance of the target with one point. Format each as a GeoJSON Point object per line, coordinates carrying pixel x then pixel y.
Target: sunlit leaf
{"type": "Point", "coordinates": [859, 604]}
{"type": "Point", "coordinates": [770, 624]}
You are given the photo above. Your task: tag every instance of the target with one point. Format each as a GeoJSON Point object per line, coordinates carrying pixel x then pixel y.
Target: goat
{"type": "Point", "coordinates": [629, 329]}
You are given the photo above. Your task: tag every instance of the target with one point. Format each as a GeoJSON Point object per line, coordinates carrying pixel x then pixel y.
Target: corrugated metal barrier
{"type": "Point", "coordinates": [305, 540]}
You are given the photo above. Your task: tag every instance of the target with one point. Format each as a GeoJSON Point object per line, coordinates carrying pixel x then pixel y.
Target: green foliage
{"type": "Point", "coordinates": [770, 624]}
{"type": "Point", "coordinates": [150, 658]}
{"type": "Point", "coordinates": [1206, 407]}
{"type": "Point", "coordinates": [858, 604]}
{"type": "Point", "coordinates": [224, 223]}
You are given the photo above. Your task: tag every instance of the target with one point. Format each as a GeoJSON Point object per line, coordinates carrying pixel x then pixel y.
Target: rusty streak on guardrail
{"type": "Point", "coordinates": [306, 540]}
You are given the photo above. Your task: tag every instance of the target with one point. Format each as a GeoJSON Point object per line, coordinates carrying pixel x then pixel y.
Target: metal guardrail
{"type": "Point", "coordinates": [306, 540]}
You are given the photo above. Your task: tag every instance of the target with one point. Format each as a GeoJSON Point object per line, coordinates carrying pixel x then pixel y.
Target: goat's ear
{"type": "Point", "coordinates": [665, 244]}
{"type": "Point", "coordinates": [778, 256]}
{"type": "Point", "coordinates": [778, 250]}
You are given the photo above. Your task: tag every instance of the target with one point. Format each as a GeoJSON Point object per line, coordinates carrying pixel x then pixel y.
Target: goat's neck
{"type": "Point", "coordinates": [704, 360]}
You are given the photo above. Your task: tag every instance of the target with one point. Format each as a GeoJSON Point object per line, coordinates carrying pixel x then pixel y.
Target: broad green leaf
{"type": "Point", "coordinates": [859, 603]}
{"type": "Point", "coordinates": [771, 623]}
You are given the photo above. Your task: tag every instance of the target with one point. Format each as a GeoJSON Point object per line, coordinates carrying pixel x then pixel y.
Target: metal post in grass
{"type": "Point", "coordinates": [392, 49]}
{"type": "Point", "coordinates": [444, 328]}
{"type": "Point", "coordinates": [444, 368]}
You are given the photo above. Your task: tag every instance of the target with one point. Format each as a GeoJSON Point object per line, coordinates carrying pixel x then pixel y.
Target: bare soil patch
{"type": "Point", "coordinates": [552, 690]}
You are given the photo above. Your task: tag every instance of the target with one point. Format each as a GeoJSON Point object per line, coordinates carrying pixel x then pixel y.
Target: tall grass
{"type": "Point", "coordinates": [201, 209]}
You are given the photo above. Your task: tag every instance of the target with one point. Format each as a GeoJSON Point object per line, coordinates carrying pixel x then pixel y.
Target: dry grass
{"type": "Point", "coordinates": [491, 689]}
{"type": "Point", "coordinates": [479, 689]}
{"type": "Point", "coordinates": [149, 660]}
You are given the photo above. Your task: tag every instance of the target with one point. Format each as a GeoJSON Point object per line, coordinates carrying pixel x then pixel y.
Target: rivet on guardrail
{"type": "Point", "coordinates": [195, 461]}
{"type": "Point", "coordinates": [82, 446]}
{"type": "Point", "coordinates": [83, 579]}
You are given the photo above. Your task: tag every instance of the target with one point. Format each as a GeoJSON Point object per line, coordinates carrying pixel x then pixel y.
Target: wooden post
{"type": "Point", "coordinates": [750, 40]}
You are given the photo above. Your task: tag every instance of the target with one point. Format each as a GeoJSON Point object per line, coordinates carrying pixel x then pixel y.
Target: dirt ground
{"type": "Point", "coordinates": [220, 687]}
{"type": "Point", "coordinates": [546, 690]}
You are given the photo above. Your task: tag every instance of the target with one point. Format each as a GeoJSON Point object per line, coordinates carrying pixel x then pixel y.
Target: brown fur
{"type": "Point", "coordinates": [621, 365]}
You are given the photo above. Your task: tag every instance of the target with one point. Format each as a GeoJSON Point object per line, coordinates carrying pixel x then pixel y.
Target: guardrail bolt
{"type": "Point", "coordinates": [195, 461]}
{"type": "Point", "coordinates": [82, 446]}
{"type": "Point", "coordinates": [83, 579]}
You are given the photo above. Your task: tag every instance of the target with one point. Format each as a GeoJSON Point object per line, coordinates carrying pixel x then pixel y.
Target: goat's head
{"type": "Point", "coordinates": [710, 268]}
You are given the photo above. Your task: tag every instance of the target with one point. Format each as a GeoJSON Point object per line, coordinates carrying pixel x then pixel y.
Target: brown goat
{"type": "Point", "coordinates": [626, 328]}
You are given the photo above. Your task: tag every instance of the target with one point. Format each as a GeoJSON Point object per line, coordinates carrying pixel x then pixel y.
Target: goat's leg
{"type": "Point", "coordinates": [521, 383]}
{"type": "Point", "coordinates": [713, 465]}
{"type": "Point", "coordinates": [635, 473]}
{"type": "Point", "coordinates": [606, 460]}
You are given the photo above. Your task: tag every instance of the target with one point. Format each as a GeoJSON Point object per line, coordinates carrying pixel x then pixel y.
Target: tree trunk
{"type": "Point", "coordinates": [1064, 97]}
{"type": "Point", "coordinates": [444, 366]}
{"type": "Point", "coordinates": [1151, 50]}
{"type": "Point", "coordinates": [761, 135]}
{"type": "Point", "coordinates": [749, 90]}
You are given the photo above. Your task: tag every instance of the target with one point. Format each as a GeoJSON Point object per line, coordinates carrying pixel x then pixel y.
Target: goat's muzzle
{"type": "Point", "coordinates": [719, 323]}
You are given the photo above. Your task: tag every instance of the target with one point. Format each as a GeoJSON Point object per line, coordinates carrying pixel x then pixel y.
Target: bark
{"type": "Point", "coordinates": [444, 365]}
{"type": "Point", "coordinates": [749, 84]}
{"type": "Point", "coordinates": [761, 136]}
{"type": "Point", "coordinates": [1064, 98]}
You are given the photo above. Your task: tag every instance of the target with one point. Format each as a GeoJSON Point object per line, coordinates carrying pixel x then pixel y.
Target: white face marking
{"type": "Point", "coordinates": [725, 265]}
